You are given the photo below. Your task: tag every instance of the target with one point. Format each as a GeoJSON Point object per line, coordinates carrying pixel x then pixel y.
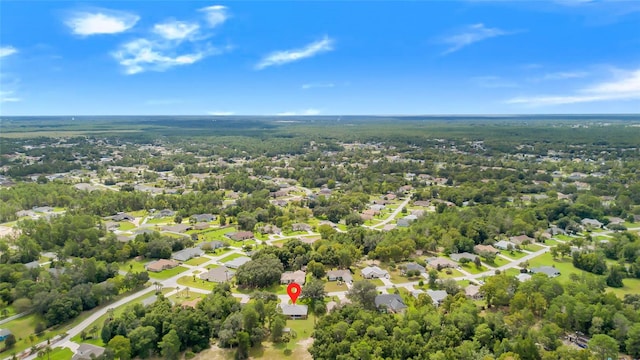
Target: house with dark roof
{"type": "Point", "coordinates": [591, 223]}
{"type": "Point", "coordinates": [294, 312]}
{"type": "Point", "coordinates": [479, 249]}
{"type": "Point", "coordinates": [390, 302]}
{"type": "Point", "coordinates": [518, 240]}
{"type": "Point", "coordinates": [165, 213]}
{"type": "Point", "coordinates": [240, 235]}
{"type": "Point", "coordinates": [219, 275]}
{"type": "Point", "coordinates": [550, 271]}
{"type": "Point", "coordinates": [178, 228]}
{"type": "Point", "coordinates": [342, 275]}
{"type": "Point", "coordinates": [32, 265]}
{"type": "Point", "coordinates": [122, 217]}
{"type": "Point", "coordinates": [187, 254]}
{"type": "Point", "coordinates": [88, 352]}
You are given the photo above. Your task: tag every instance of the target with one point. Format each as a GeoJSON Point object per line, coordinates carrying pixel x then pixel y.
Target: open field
{"type": "Point", "coordinates": [198, 283]}
{"type": "Point", "coordinates": [165, 274]}
{"type": "Point", "coordinates": [197, 261]}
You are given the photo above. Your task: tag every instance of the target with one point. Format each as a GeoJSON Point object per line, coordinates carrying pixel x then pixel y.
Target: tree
{"type": "Point", "coordinates": [614, 279]}
{"type": "Point", "coordinates": [121, 347]}
{"type": "Point", "coordinates": [143, 339]}
{"type": "Point", "coordinates": [604, 346]}
{"type": "Point", "coordinates": [177, 219]}
{"type": "Point", "coordinates": [277, 328]}
{"type": "Point", "coordinates": [244, 344]}
{"type": "Point", "coordinates": [261, 272]}
{"type": "Point", "coordinates": [433, 277]}
{"type": "Point", "coordinates": [363, 292]}
{"type": "Point", "coordinates": [170, 345]}
{"type": "Point", "coordinates": [316, 268]}
{"type": "Point", "coordinates": [9, 341]}
{"type": "Point", "coordinates": [223, 220]}
{"type": "Point", "coordinates": [633, 341]}
{"type": "Point", "coordinates": [313, 290]}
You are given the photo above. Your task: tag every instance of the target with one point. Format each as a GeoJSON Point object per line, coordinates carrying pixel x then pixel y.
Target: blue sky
{"type": "Point", "coordinates": [327, 58]}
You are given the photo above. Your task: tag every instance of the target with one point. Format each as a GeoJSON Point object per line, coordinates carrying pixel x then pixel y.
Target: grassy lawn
{"type": "Point", "coordinates": [512, 272]}
{"type": "Point", "coordinates": [464, 283]}
{"type": "Point", "coordinates": [332, 286]}
{"type": "Point", "coordinates": [442, 274]}
{"type": "Point", "coordinates": [198, 283]}
{"type": "Point", "coordinates": [231, 257]}
{"type": "Point", "coordinates": [126, 225]}
{"type": "Point", "coordinates": [132, 265]}
{"type": "Point", "coordinates": [631, 286]}
{"type": "Point", "coordinates": [564, 237]}
{"type": "Point", "coordinates": [276, 289]}
{"type": "Point", "coordinates": [165, 274]}
{"type": "Point", "coordinates": [293, 233]}
{"type": "Point", "coordinates": [212, 266]}
{"type": "Point", "coordinates": [43, 259]}
{"type": "Point", "coordinates": [60, 354]}
{"type": "Point", "coordinates": [473, 269]}
{"type": "Point", "coordinates": [163, 220]}
{"type": "Point", "coordinates": [182, 296]}
{"type": "Point", "coordinates": [10, 311]}
{"type": "Point", "coordinates": [533, 247]}
{"type": "Point", "coordinates": [565, 265]}
{"type": "Point", "coordinates": [139, 213]}
{"type": "Point", "coordinates": [551, 242]}
{"type": "Point", "coordinates": [197, 261]}
{"type": "Point", "coordinates": [217, 234]}
{"type": "Point", "coordinates": [513, 254]}
{"type": "Point", "coordinates": [498, 262]}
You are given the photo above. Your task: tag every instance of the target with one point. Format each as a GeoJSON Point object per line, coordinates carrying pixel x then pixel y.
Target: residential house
{"type": "Point", "coordinates": [505, 245]}
{"type": "Point", "coordinates": [122, 217]}
{"type": "Point", "coordinates": [301, 227]}
{"type": "Point", "coordinates": [550, 271]}
{"type": "Point", "coordinates": [479, 249]}
{"type": "Point", "coordinates": [237, 262]}
{"type": "Point", "coordinates": [219, 275]}
{"type": "Point", "coordinates": [390, 303]}
{"type": "Point", "coordinates": [294, 312]}
{"type": "Point", "coordinates": [441, 263]}
{"type": "Point", "coordinates": [473, 292]}
{"type": "Point", "coordinates": [405, 221]}
{"type": "Point", "coordinates": [615, 220]}
{"type": "Point", "coordinates": [240, 235]}
{"type": "Point", "coordinates": [32, 265]}
{"type": "Point", "coordinates": [178, 228]}
{"type": "Point", "coordinates": [4, 333]}
{"type": "Point", "coordinates": [422, 203]}
{"type": "Point", "coordinates": [165, 213]}
{"type": "Point", "coordinates": [371, 212]}
{"type": "Point", "coordinates": [437, 296]}
{"type": "Point", "coordinates": [88, 352]}
{"type": "Point", "coordinates": [591, 223]}
{"type": "Point", "coordinates": [211, 245]}
{"type": "Point", "coordinates": [377, 207]}
{"type": "Point", "coordinates": [520, 239]}
{"type": "Point", "coordinates": [342, 275]}
{"type": "Point", "coordinates": [416, 293]}
{"type": "Point", "coordinates": [413, 267]}
{"type": "Point", "coordinates": [374, 272]}
{"type": "Point", "coordinates": [289, 277]}
{"type": "Point", "coordinates": [187, 254]}
{"type": "Point", "coordinates": [162, 264]}
{"type": "Point", "coordinates": [203, 217]}
{"type": "Point", "coordinates": [200, 226]}
{"type": "Point", "coordinates": [269, 229]}
{"type": "Point", "coordinates": [464, 255]}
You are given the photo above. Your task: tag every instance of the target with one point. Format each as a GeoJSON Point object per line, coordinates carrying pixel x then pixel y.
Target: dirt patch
{"type": "Point", "coordinates": [6, 231]}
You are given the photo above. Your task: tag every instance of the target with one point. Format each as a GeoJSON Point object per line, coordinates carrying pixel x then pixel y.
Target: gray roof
{"type": "Point", "coordinates": [220, 274]}
{"type": "Point", "coordinates": [414, 266]}
{"type": "Point", "coordinates": [237, 262]}
{"type": "Point", "coordinates": [464, 255]}
{"type": "Point", "coordinates": [374, 271]}
{"type": "Point", "coordinates": [294, 310]}
{"type": "Point", "coordinates": [32, 265]}
{"type": "Point", "coordinates": [86, 350]}
{"type": "Point", "coordinates": [437, 295]}
{"type": "Point", "coordinates": [214, 244]}
{"type": "Point", "coordinates": [345, 275]}
{"type": "Point", "coordinates": [548, 270]}
{"type": "Point", "coordinates": [5, 332]}
{"type": "Point", "coordinates": [186, 254]}
{"type": "Point", "coordinates": [204, 217]}
{"type": "Point", "coordinates": [391, 301]}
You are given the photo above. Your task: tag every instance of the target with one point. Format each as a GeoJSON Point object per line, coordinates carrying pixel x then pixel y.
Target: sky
{"type": "Point", "coordinates": [295, 58]}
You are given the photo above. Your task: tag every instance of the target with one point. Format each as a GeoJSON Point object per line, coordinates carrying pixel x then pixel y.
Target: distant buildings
{"type": "Point", "coordinates": [548, 270]}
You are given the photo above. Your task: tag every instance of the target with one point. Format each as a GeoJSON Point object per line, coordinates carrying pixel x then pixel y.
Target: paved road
{"type": "Point", "coordinates": [13, 317]}
{"type": "Point", "coordinates": [392, 216]}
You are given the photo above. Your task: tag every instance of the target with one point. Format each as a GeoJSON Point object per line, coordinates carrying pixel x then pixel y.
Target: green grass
{"type": "Point", "coordinates": [198, 283]}
{"type": "Point", "coordinates": [473, 269]}
{"type": "Point", "coordinates": [563, 237]}
{"type": "Point", "coordinates": [231, 257]}
{"type": "Point", "coordinates": [513, 254]}
{"type": "Point", "coordinates": [275, 289]}
{"type": "Point", "coordinates": [631, 286]}
{"type": "Point", "coordinates": [132, 265]}
{"type": "Point", "coordinates": [165, 274]}
{"type": "Point", "coordinates": [163, 220]}
{"type": "Point", "coordinates": [182, 296]}
{"type": "Point", "coordinates": [293, 233]}
{"type": "Point", "coordinates": [139, 213]}
{"type": "Point", "coordinates": [564, 265]}
{"type": "Point", "coordinates": [442, 274]}
{"type": "Point", "coordinates": [332, 286]}
{"type": "Point", "coordinates": [197, 261]}
{"type": "Point", "coordinates": [463, 283]}
{"type": "Point", "coordinates": [126, 225]}
{"type": "Point", "coordinates": [60, 354]}
{"type": "Point", "coordinates": [533, 247]}
{"type": "Point", "coordinates": [512, 272]}
{"type": "Point", "coordinates": [212, 266]}
{"type": "Point", "coordinates": [551, 242]}
{"type": "Point", "coordinates": [216, 234]}
{"type": "Point", "coordinates": [497, 262]}
{"type": "Point", "coordinates": [10, 311]}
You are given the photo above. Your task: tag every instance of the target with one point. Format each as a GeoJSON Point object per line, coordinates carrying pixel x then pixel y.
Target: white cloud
{"type": "Point", "coordinates": [7, 50]}
{"type": "Point", "coordinates": [307, 112]}
{"type": "Point", "coordinates": [625, 87]}
{"type": "Point", "coordinates": [563, 75]}
{"type": "Point", "coordinates": [8, 96]}
{"type": "Point", "coordinates": [220, 113]}
{"type": "Point", "coordinates": [101, 22]}
{"type": "Point", "coordinates": [216, 14]}
{"type": "Point", "coordinates": [317, 85]}
{"type": "Point", "coordinates": [286, 56]}
{"type": "Point", "coordinates": [176, 30]}
{"type": "Point", "coordinates": [471, 34]}
{"type": "Point", "coordinates": [493, 82]}
{"type": "Point", "coordinates": [143, 55]}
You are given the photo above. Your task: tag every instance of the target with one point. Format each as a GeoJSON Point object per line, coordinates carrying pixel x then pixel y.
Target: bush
{"type": "Point", "coordinates": [189, 355]}
{"type": "Point", "coordinates": [287, 352]}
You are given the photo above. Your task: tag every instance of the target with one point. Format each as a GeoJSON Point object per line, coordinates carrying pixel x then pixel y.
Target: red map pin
{"type": "Point", "coordinates": [294, 291]}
